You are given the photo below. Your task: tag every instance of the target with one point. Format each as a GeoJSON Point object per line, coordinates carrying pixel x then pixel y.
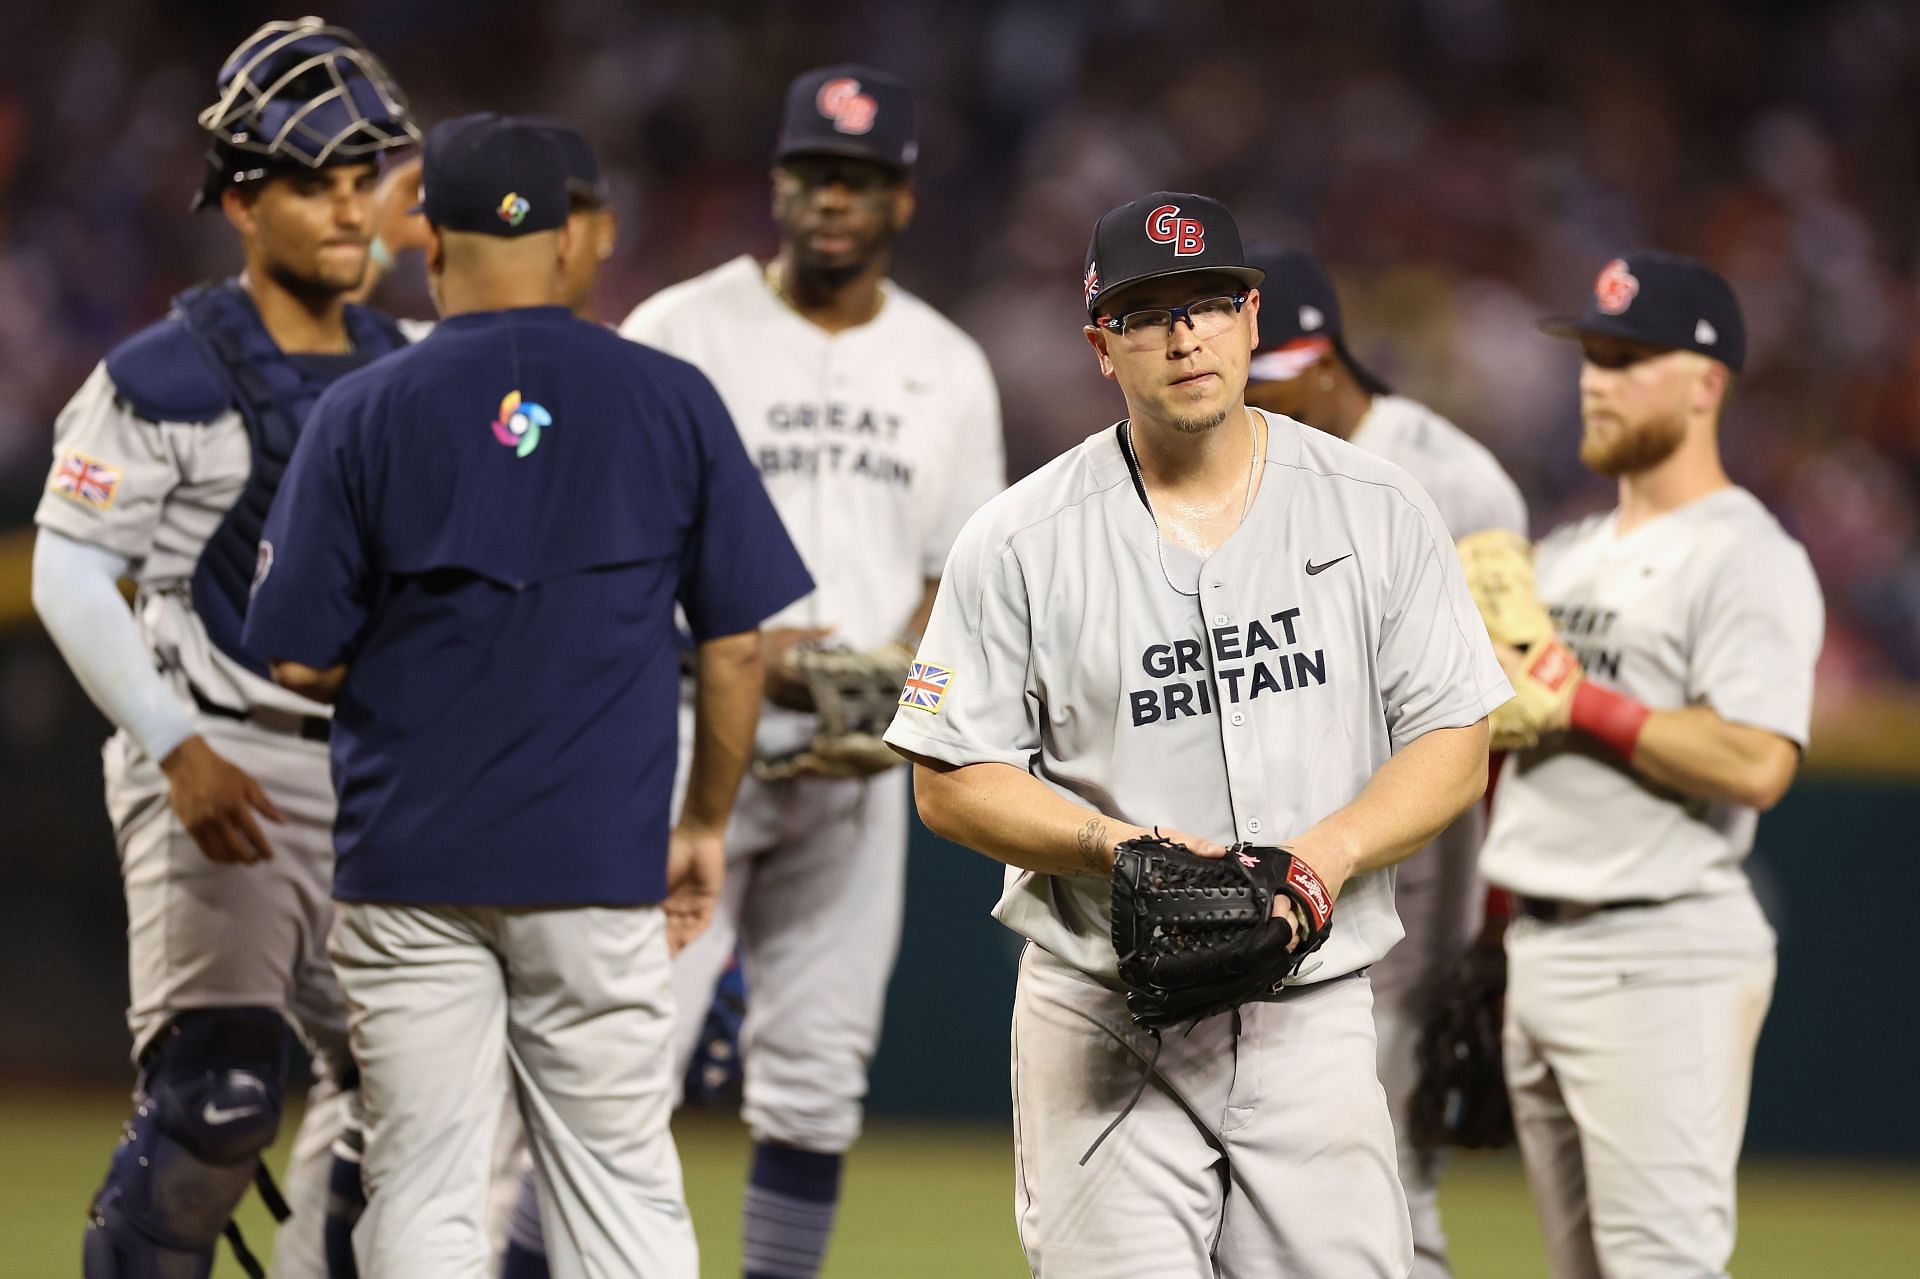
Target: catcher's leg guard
{"type": "Point", "coordinates": [346, 1200]}
{"type": "Point", "coordinates": [211, 1094]}
{"type": "Point", "coordinates": [714, 1075]}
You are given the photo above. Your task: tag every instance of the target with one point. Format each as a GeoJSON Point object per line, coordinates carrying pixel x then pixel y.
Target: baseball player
{"type": "Point", "coordinates": [476, 554]}
{"type": "Point", "coordinates": [876, 427]}
{"type": "Point", "coordinates": [592, 229]}
{"type": "Point", "coordinates": [1205, 619]}
{"type": "Point", "coordinates": [165, 462]}
{"type": "Point", "coordinates": [1304, 370]}
{"type": "Point", "coordinates": [1671, 710]}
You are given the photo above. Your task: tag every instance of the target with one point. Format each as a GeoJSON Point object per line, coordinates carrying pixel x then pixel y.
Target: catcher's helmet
{"type": "Point", "coordinates": [300, 95]}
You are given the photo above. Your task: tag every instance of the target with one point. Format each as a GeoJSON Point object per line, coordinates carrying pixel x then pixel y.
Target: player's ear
{"type": "Point", "coordinates": [606, 232]}
{"type": "Point", "coordinates": [1715, 380]}
{"type": "Point", "coordinates": [436, 251]}
{"type": "Point", "coordinates": [780, 187]}
{"type": "Point", "coordinates": [903, 206]}
{"type": "Point", "coordinates": [1252, 309]}
{"type": "Point", "coordinates": [1097, 339]}
{"type": "Point", "coordinates": [237, 204]}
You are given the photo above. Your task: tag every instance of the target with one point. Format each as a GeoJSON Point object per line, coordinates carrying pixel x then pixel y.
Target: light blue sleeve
{"type": "Point", "coordinates": [76, 592]}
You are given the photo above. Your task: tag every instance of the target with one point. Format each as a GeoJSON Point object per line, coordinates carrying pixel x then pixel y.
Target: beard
{"type": "Point", "coordinates": [316, 286]}
{"type": "Point", "coordinates": [1199, 423]}
{"type": "Point", "coordinates": [1629, 449]}
{"type": "Point", "coordinates": [817, 274]}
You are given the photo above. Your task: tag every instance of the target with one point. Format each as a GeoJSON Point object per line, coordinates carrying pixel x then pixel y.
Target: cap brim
{"type": "Point", "coordinates": [587, 195]}
{"type": "Point", "coordinates": [848, 151]}
{"type": "Point", "coordinates": [1247, 275]}
{"type": "Point", "coordinates": [1579, 326]}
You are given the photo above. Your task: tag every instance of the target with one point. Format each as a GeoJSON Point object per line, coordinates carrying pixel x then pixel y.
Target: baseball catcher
{"type": "Point", "coordinates": [1499, 569]}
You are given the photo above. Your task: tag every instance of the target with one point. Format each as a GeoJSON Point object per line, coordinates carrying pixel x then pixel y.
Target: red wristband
{"type": "Point", "coordinates": [1610, 718]}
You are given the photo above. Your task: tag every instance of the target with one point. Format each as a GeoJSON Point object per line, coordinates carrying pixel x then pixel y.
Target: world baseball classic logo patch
{"type": "Point", "coordinates": [86, 481]}
{"type": "Point", "coordinates": [926, 687]}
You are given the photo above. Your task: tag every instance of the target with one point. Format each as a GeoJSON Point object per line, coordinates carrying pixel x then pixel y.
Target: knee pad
{"type": "Point", "coordinates": [211, 1094]}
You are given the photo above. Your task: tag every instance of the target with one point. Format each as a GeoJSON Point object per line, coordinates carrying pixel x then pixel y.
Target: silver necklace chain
{"type": "Point", "coordinates": [1133, 464]}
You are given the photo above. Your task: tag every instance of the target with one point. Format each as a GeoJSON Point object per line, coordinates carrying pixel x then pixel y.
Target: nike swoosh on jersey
{"type": "Point", "coordinates": [215, 1116]}
{"type": "Point", "coordinates": [1313, 568]}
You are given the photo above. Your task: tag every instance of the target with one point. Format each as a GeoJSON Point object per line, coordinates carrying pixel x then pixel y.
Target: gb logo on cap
{"type": "Point", "coordinates": [1615, 289]}
{"type": "Point", "coordinates": [841, 101]}
{"type": "Point", "coordinates": [1092, 281]}
{"type": "Point", "coordinates": [1186, 235]}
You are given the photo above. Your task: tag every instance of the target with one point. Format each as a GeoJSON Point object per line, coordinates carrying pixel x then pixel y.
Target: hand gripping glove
{"type": "Point", "coordinates": [1499, 571]}
{"type": "Point", "coordinates": [855, 696]}
{"type": "Point", "coordinates": [1196, 935]}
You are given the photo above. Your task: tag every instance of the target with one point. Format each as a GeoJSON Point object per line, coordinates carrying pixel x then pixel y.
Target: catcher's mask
{"type": "Point", "coordinates": [300, 96]}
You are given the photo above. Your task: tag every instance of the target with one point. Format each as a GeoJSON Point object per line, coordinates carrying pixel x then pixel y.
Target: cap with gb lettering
{"type": "Point", "coordinates": [1665, 300]}
{"type": "Point", "coordinates": [1166, 233]}
{"type": "Point", "coordinates": [852, 111]}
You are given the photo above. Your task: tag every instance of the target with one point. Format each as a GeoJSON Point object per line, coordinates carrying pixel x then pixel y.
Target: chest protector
{"type": "Point", "coordinates": [273, 395]}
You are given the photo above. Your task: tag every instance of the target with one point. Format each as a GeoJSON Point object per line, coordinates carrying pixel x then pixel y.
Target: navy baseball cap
{"type": "Point", "coordinates": [1296, 297]}
{"type": "Point", "coordinates": [493, 174]}
{"type": "Point", "coordinates": [853, 111]}
{"type": "Point", "coordinates": [1665, 300]}
{"type": "Point", "coordinates": [586, 184]}
{"type": "Point", "coordinates": [1166, 233]}
{"type": "Point", "coordinates": [1299, 319]}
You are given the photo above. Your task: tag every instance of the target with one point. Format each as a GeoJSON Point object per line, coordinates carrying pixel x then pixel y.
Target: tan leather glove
{"type": "Point", "coordinates": [1499, 570]}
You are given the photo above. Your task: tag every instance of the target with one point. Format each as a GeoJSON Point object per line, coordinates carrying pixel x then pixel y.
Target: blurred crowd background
{"type": "Point", "coordinates": [1462, 166]}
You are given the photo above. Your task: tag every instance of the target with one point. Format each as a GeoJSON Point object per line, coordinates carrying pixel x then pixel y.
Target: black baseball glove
{"type": "Point", "coordinates": [1461, 1099]}
{"type": "Point", "coordinates": [1196, 935]}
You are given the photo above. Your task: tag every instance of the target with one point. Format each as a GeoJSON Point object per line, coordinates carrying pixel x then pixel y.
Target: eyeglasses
{"type": "Point", "coordinates": [1207, 318]}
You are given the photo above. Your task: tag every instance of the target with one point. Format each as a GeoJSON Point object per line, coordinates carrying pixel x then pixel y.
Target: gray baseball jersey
{"type": "Point", "coordinates": [1240, 697]}
{"type": "Point", "coordinates": [891, 425]}
{"type": "Point", "coordinates": [1710, 604]}
{"type": "Point", "coordinates": [156, 491]}
{"type": "Point", "coordinates": [875, 443]}
{"type": "Point", "coordinates": [1468, 486]}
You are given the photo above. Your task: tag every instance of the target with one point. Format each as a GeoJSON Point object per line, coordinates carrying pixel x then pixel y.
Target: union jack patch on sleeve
{"type": "Point", "coordinates": [926, 687]}
{"type": "Point", "coordinates": [84, 480]}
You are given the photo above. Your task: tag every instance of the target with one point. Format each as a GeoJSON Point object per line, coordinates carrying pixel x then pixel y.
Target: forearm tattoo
{"type": "Point", "coordinates": [1094, 847]}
